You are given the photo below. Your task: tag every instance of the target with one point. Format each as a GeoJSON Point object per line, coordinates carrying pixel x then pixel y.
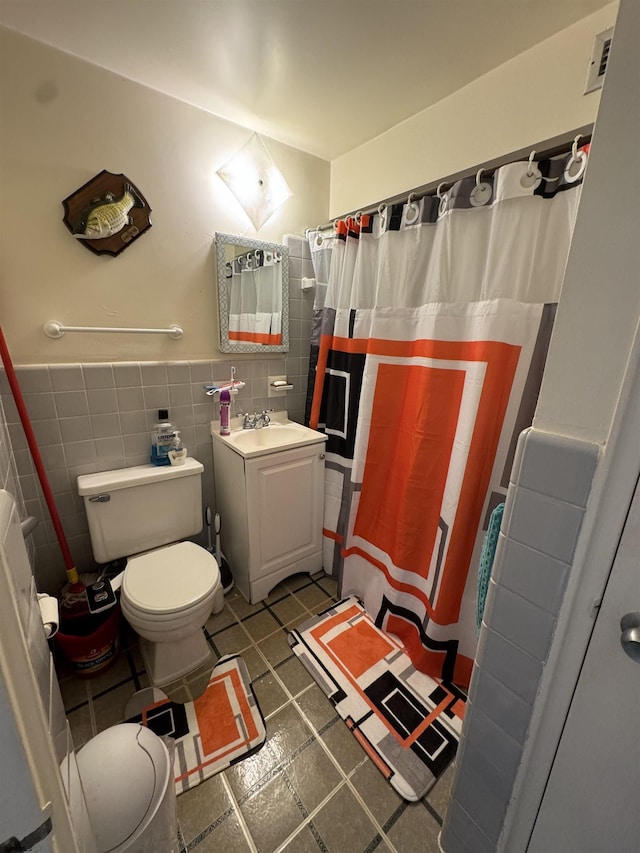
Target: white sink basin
{"type": "Point", "coordinates": [279, 435]}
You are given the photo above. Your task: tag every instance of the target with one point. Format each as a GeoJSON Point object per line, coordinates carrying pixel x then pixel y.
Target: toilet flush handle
{"type": "Point", "coordinates": [116, 582]}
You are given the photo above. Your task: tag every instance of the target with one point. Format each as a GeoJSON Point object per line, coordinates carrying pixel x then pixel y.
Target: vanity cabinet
{"type": "Point", "coordinates": [271, 510]}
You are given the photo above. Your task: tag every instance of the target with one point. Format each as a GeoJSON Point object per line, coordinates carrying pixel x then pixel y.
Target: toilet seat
{"type": "Point", "coordinates": [166, 581]}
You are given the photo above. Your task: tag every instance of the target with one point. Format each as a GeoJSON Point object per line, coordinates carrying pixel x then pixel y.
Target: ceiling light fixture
{"type": "Point", "coordinates": [255, 181]}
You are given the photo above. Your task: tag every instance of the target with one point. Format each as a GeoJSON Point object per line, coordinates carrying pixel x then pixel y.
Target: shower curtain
{"type": "Point", "coordinates": [255, 298]}
{"type": "Point", "coordinates": [430, 331]}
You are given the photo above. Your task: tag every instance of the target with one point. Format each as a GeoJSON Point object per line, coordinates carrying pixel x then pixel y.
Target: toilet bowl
{"type": "Point", "coordinates": [169, 587]}
{"type": "Point", "coordinates": [167, 607]}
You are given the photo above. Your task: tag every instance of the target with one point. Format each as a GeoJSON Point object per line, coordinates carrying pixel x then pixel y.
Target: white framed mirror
{"type": "Point", "coordinates": [253, 294]}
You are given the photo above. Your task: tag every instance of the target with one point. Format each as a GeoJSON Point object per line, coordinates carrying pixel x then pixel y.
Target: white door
{"type": "Point", "coordinates": [33, 807]}
{"type": "Point", "coordinates": [592, 800]}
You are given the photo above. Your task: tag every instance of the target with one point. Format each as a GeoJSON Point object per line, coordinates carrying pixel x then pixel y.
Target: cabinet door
{"type": "Point", "coordinates": [284, 492]}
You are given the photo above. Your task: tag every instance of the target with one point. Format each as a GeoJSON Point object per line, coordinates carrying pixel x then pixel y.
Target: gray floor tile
{"type": "Point", "coordinates": [255, 662]}
{"type": "Point", "coordinates": [272, 814]}
{"type": "Point", "coordinates": [313, 596]}
{"type": "Point", "coordinates": [225, 835]}
{"type": "Point", "coordinates": [376, 791]}
{"type": "Point", "coordinates": [329, 585]}
{"type": "Point", "coordinates": [275, 648]}
{"type": "Point", "coordinates": [316, 707]}
{"type": "Point", "coordinates": [343, 745]}
{"type": "Point", "coordinates": [81, 726]}
{"type": "Point", "coordinates": [438, 796]}
{"type": "Point", "coordinates": [199, 807]}
{"type": "Point", "coordinates": [286, 732]}
{"type": "Point", "coordinates": [260, 625]}
{"type": "Point", "coordinates": [252, 772]}
{"type": "Point", "coordinates": [289, 609]}
{"type": "Point", "coordinates": [304, 841]}
{"type": "Point", "coordinates": [269, 693]}
{"type": "Point", "coordinates": [294, 675]}
{"type": "Point", "coordinates": [344, 825]}
{"type": "Point", "coordinates": [218, 621]}
{"type": "Point", "coordinates": [232, 640]}
{"type": "Point", "coordinates": [415, 822]}
{"type": "Point", "coordinates": [312, 775]}
{"type": "Point", "coordinates": [241, 607]}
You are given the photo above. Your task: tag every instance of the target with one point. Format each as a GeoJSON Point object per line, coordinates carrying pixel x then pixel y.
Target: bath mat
{"type": "Point", "coordinates": [219, 728]}
{"type": "Point", "coordinates": [408, 723]}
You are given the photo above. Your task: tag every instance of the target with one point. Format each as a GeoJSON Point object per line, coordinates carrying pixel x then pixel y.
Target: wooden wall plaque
{"type": "Point", "coordinates": [110, 204]}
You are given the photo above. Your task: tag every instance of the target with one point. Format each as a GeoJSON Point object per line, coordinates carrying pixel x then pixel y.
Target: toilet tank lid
{"type": "Point", "coordinates": [124, 478]}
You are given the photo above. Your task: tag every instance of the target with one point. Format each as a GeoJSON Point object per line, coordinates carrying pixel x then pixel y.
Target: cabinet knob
{"type": "Point", "coordinates": [322, 456]}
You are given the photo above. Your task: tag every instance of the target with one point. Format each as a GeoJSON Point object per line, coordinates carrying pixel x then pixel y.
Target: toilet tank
{"type": "Point", "coordinates": [135, 509]}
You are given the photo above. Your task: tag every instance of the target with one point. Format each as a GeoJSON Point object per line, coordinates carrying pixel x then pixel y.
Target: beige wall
{"type": "Point", "coordinates": [63, 121]}
{"type": "Point", "coordinates": [534, 97]}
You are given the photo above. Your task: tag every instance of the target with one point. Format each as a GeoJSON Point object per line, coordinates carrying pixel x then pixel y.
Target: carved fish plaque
{"type": "Point", "coordinates": [107, 214]}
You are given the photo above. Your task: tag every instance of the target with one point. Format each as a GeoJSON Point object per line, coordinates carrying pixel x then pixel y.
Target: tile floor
{"type": "Point", "coordinates": [310, 788]}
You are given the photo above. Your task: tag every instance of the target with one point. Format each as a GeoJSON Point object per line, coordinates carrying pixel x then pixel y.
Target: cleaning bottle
{"type": "Point", "coordinates": [225, 403]}
{"type": "Point", "coordinates": [162, 437]}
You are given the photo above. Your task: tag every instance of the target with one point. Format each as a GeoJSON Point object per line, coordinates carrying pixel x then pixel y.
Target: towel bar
{"type": "Point", "coordinates": [53, 329]}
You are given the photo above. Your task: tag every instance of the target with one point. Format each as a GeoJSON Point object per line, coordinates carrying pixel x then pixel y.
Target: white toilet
{"type": "Point", "coordinates": [169, 587]}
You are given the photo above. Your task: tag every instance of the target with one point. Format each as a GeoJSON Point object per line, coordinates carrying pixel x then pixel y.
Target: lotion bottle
{"type": "Point", "coordinates": [178, 452]}
{"type": "Point", "coordinates": [225, 403]}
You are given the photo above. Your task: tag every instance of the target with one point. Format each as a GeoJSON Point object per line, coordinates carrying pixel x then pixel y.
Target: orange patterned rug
{"type": "Point", "coordinates": [408, 723]}
{"type": "Point", "coordinates": [221, 727]}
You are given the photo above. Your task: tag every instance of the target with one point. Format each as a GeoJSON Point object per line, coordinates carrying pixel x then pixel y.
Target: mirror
{"type": "Point", "coordinates": [253, 294]}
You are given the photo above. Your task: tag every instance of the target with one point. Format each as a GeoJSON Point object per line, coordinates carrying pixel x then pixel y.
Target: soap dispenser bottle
{"type": "Point", "coordinates": [225, 404]}
{"type": "Point", "coordinates": [162, 437]}
{"type": "Point", "coordinates": [178, 452]}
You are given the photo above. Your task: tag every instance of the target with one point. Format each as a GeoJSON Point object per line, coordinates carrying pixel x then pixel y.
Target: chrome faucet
{"type": "Point", "coordinates": [255, 421]}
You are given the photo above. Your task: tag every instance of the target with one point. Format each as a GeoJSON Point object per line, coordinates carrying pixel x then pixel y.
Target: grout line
{"type": "Point", "coordinates": [309, 820]}
{"type": "Point", "coordinates": [238, 811]}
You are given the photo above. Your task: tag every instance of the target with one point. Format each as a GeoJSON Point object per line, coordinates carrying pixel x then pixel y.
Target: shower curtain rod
{"type": "Point", "coordinates": [543, 150]}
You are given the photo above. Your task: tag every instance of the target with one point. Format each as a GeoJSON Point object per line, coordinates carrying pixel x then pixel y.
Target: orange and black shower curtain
{"type": "Point", "coordinates": [430, 331]}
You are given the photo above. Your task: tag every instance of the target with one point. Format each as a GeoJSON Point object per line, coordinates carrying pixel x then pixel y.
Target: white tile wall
{"type": "Point", "coordinates": [549, 488]}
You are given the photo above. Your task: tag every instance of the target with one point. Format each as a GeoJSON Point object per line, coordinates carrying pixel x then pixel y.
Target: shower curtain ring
{"type": "Point", "coordinates": [358, 216]}
{"type": "Point", "coordinates": [438, 193]}
{"type": "Point", "coordinates": [412, 210]}
{"type": "Point", "coordinates": [381, 208]}
{"type": "Point", "coordinates": [479, 177]}
{"type": "Point", "coordinates": [531, 156]}
{"type": "Point", "coordinates": [577, 162]}
{"type": "Point", "coordinates": [574, 147]}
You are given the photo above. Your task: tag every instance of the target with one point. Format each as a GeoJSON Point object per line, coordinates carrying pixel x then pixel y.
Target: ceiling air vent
{"type": "Point", "coordinates": [598, 61]}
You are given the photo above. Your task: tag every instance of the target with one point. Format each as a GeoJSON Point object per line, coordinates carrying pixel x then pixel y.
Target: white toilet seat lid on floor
{"type": "Point", "coordinates": [170, 579]}
{"type": "Point", "coordinates": [125, 771]}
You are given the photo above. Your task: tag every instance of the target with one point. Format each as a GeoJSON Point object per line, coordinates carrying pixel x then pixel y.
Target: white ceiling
{"type": "Point", "coordinates": [321, 76]}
